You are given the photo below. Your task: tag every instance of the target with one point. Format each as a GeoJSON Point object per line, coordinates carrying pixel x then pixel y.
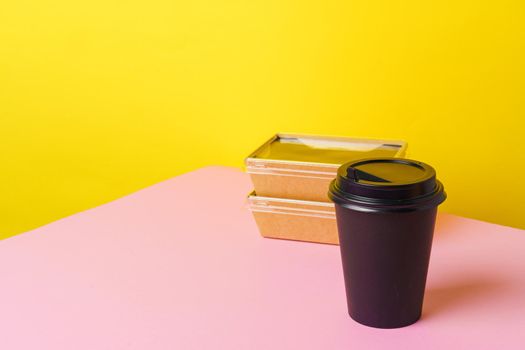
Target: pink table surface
{"type": "Point", "coordinates": [180, 265]}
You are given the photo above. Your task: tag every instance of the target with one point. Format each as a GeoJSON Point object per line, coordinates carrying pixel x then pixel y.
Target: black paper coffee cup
{"type": "Point", "coordinates": [386, 210]}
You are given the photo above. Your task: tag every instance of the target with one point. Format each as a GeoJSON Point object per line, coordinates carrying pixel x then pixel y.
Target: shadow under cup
{"type": "Point", "coordinates": [386, 210]}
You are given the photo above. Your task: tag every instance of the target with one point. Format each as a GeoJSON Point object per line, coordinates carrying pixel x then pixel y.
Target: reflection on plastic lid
{"type": "Point", "coordinates": [325, 150]}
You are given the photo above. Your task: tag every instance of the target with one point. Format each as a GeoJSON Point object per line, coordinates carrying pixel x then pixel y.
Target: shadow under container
{"type": "Point", "coordinates": [294, 219]}
{"type": "Point", "coordinates": [301, 167]}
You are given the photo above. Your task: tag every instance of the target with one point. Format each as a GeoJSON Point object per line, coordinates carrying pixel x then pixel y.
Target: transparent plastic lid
{"type": "Point", "coordinates": [290, 206]}
{"type": "Point", "coordinates": [331, 150]}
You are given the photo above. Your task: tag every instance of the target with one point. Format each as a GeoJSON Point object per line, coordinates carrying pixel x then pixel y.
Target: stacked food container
{"type": "Point", "coordinates": [291, 174]}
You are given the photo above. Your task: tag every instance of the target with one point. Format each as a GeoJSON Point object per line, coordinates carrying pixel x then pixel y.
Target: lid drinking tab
{"type": "Point", "coordinates": [360, 175]}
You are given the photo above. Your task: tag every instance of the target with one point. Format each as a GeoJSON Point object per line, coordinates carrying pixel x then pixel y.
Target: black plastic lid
{"type": "Point", "coordinates": [386, 184]}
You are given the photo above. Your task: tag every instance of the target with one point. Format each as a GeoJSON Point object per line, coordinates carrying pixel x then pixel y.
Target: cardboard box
{"type": "Point", "coordinates": [301, 166]}
{"type": "Point", "coordinates": [294, 219]}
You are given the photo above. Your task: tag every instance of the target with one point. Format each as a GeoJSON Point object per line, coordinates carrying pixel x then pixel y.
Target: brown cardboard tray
{"type": "Point", "coordinates": [294, 219]}
{"type": "Point", "coordinates": [301, 167]}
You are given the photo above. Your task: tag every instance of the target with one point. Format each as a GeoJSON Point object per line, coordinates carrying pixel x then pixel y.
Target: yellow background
{"type": "Point", "coordinates": [101, 98]}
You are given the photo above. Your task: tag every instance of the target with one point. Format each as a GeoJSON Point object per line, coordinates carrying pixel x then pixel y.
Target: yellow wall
{"type": "Point", "coordinates": [101, 98]}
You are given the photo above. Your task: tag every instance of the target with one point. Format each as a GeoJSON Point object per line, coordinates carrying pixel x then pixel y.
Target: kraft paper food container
{"type": "Point", "coordinates": [294, 219]}
{"type": "Point", "coordinates": [301, 166]}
